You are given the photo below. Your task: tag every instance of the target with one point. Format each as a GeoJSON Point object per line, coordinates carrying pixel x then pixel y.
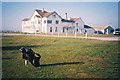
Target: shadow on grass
{"type": "Point", "coordinates": [18, 47]}
{"type": "Point", "coordinates": [64, 63]}
{"type": "Point", "coordinates": [14, 47]}
{"type": "Point", "coordinates": [5, 58]}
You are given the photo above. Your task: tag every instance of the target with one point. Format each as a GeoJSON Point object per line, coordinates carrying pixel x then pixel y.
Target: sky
{"type": "Point", "coordinates": [92, 13]}
{"type": "Point", "coordinates": [60, 0]}
{"type": "Point", "coordinates": [0, 16]}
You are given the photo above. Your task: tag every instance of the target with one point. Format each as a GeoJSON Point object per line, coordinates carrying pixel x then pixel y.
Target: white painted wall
{"type": "Point", "coordinates": [53, 24]}
{"type": "Point", "coordinates": [90, 30]}
{"type": "Point", "coordinates": [32, 25]}
{"type": "Point", "coordinates": [69, 25]}
{"type": "Point", "coordinates": [25, 26]}
{"type": "Point", "coordinates": [44, 25]}
{"type": "Point", "coordinates": [34, 22]}
{"type": "Point", "coordinates": [80, 27]}
{"type": "Point", "coordinates": [80, 23]}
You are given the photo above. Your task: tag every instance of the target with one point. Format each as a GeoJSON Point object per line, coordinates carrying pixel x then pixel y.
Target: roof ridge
{"type": "Point", "coordinates": [43, 13]}
{"type": "Point", "coordinates": [75, 18]}
{"type": "Point", "coordinates": [25, 19]}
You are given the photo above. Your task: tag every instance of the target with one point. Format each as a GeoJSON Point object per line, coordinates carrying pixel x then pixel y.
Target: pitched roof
{"type": "Point", "coordinates": [37, 16]}
{"type": "Point", "coordinates": [26, 19]}
{"type": "Point", "coordinates": [75, 19]}
{"type": "Point", "coordinates": [109, 27]}
{"type": "Point", "coordinates": [65, 20]}
{"type": "Point", "coordinates": [86, 26]}
{"type": "Point", "coordinates": [99, 27]}
{"type": "Point", "coordinates": [44, 13]}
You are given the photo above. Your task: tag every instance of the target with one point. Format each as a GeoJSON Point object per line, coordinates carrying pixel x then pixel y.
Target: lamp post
{"type": "Point", "coordinates": [75, 31]}
{"type": "Point", "coordinates": [58, 34]}
{"type": "Point", "coordinates": [66, 32]}
{"type": "Point", "coordinates": [85, 33]}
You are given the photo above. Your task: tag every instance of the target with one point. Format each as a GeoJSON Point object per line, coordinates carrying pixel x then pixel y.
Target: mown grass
{"type": "Point", "coordinates": [61, 58]}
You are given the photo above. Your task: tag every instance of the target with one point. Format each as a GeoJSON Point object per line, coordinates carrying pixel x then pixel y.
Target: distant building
{"type": "Point", "coordinates": [117, 31]}
{"type": "Point", "coordinates": [108, 30]}
{"type": "Point", "coordinates": [103, 29]}
{"type": "Point", "coordinates": [43, 21]}
{"type": "Point", "coordinates": [99, 29]}
{"type": "Point", "coordinates": [89, 29]}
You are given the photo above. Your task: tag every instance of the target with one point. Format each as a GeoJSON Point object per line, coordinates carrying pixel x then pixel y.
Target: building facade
{"type": "Point", "coordinates": [43, 21]}
{"type": "Point", "coordinates": [108, 30]}
{"type": "Point", "coordinates": [103, 29]}
{"type": "Point", "coordinates": [89, 29]}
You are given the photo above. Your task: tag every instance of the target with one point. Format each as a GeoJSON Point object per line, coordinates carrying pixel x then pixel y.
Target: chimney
{"type": "Point", "coordinates": [42, 9]}
{"type": "Point", "coordinates": [65, 15]}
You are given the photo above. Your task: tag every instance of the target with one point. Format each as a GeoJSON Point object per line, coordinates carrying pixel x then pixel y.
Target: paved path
{"type": "Point", "coordinates": [98, 38]}
{"type": "Point", "coordinates": [106, 38]}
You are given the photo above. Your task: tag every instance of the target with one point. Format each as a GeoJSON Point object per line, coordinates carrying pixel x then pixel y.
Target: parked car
{"type": "Point", "coordinates": [117, 31]}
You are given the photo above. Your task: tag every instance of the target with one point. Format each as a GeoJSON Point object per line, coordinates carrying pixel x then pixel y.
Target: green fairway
{"type": "Point", "coordinates": [61, 58]}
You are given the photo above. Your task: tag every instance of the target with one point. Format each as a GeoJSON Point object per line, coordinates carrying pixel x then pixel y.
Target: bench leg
{"type": "Point", "coordinates": [26, 62]}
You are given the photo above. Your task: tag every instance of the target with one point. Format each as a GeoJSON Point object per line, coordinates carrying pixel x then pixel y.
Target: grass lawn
{"type": "Point", "coordinates": [61, 58]}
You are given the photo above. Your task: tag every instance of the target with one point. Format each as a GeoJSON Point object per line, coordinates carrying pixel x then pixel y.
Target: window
{"type": "Point", "coordinates": [56, 29]}
{"type": "Point", "coordinates": [54, 16]}
{"type": "Point", "coordinates": [77, 30]}
{"type": "Point", "coordinates": [66, 28]}
{"type": "Point", "coordinates": [50, 29]}
{"type": "Point", "coordinates": [37, 30]}
{"type": "Point", "coordinates": [38, 22]}
{"type": "Point", "coordinates": [112, 31]}
{"type": "Point", "coordinates": [57, 22]}
{"type": "Point", "coordinates": [76, 24]}
{"type": "Point", "coordinates": [49, 21]}
{"type": "Point", "coordinates": [44, 21]}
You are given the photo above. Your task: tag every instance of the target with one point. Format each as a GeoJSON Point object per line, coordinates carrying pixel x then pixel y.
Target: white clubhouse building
{"type": "Point", "coordinates": [43, 21]}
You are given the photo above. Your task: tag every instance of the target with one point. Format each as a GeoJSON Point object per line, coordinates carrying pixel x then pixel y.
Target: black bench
{"type": "Point", "coordinates": [30, 55]}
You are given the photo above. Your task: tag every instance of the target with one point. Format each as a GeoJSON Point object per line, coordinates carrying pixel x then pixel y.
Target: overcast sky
{"type": "Point", "coordinates": [92, 13]}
